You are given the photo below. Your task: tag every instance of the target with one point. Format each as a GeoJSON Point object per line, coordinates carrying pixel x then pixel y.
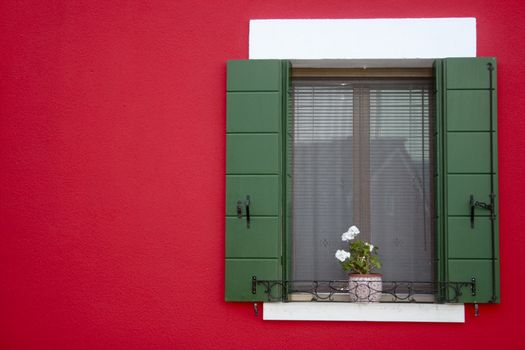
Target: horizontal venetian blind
{"type": "Point", "coordinates": [361, 156]}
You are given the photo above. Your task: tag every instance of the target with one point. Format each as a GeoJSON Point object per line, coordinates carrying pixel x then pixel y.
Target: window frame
{"type": "Point", "coordinates": [392, 73]}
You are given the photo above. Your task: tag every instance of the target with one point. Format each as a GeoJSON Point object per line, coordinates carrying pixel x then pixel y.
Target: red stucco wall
{"type": "Point", "coordinates": [112, 187]}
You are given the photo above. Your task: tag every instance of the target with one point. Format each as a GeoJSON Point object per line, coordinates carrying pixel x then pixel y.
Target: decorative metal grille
{"type": "Point", "coordinates": [343, 291]}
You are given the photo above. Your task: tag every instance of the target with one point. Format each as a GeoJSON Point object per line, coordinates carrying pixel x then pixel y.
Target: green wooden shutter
{"type": "Point", "coordinates": [466, 165]}
{"type": "Point", "coordinates": [254, 167]}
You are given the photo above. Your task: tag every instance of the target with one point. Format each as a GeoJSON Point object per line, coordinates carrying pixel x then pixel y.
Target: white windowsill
{"type": "Point", "coordinates": [378, 312]}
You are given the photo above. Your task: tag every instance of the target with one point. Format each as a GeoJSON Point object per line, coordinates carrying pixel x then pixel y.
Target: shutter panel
{"type": "Point", "coordinates": [254, 166]}
{"type": "Point", "coordinates": [467, 166]}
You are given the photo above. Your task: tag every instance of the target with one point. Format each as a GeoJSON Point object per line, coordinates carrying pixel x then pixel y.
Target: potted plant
{"type": "Point", "coordinates": [360, 262]}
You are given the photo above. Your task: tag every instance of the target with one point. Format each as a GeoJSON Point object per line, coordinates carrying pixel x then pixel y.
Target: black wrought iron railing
{"type": "Point", "coordinates": [343, 291]}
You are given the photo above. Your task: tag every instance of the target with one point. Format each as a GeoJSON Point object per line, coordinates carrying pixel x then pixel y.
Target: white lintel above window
{"type": "Point", "coordinates": [383, 38]}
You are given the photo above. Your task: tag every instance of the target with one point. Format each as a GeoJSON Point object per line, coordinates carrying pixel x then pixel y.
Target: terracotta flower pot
{"type": "Point", "coordinates": [365, 288]}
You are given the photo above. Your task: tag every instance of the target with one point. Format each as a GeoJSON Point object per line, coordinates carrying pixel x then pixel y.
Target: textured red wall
{"type": "Point", "coordinates": [112, 188]}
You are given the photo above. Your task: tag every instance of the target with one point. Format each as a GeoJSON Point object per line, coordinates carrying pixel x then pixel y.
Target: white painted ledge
{"type": "Point", "coordinates": [363, 38]}
{"type": "Point", "coordinates": [378, 312]}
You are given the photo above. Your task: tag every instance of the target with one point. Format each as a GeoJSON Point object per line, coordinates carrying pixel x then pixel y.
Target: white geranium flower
{"type": "Point", "coordinates": [350, 234]}
{"type": "Point", "coordinates": [371, 247]}
{"type": "Point", "coordinates": [342, 255]}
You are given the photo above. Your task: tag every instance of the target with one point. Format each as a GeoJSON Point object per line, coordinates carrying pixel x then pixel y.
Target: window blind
{"type": "Point", "coordinates": [361, 156]}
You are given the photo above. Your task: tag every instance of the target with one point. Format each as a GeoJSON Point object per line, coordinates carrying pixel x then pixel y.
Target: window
{"type": "Point", "coordinates": [259, 173]}
{"type": "Point", "coordinates": [361, 155]}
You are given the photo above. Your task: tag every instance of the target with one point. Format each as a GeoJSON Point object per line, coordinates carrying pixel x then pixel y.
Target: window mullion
{"type": "Point", "coordinates": [361, 161]}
